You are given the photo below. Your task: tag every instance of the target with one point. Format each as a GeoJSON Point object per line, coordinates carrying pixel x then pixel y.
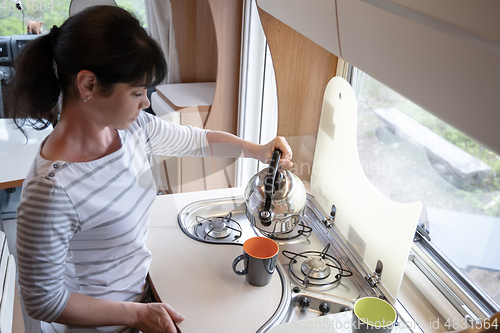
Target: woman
{"type": "Point", "coordinates": [83, 216]}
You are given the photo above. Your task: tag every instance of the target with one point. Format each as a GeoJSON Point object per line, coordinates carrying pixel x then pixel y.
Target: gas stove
{"type": "Point", "coordinates": [320, 276]}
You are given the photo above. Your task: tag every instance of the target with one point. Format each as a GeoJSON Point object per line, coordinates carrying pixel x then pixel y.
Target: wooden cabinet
{"type": "Point", "coordinates": [302, 69]}
{"type": "Point", "coordinates": [208, 40]}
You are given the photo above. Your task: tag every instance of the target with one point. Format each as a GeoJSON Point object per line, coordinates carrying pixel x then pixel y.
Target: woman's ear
{"type": "Point", "coordinates": [86, 82]}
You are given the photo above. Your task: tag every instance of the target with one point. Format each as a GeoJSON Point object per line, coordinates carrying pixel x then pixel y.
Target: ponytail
{"type": "Point", "coordinates": [36, 88]}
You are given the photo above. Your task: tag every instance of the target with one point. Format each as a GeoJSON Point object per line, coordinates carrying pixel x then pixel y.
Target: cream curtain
{"type": "Point", "coordinates": [161, 28]}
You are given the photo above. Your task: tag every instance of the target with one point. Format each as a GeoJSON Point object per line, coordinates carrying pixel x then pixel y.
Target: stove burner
{"type": "Point", "coordinates": [218, 228]}
{"type": "Point", "coordinates": [300, 232]}
{"type": "Point", "coordinates": [315, 268]}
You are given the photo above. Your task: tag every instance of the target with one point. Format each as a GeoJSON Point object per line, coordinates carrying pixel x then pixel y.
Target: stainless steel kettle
{"type": "Point", "coordinates": [275, 199]}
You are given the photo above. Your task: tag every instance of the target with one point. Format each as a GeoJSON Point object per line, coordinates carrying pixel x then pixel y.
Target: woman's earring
{"type": "Point", "coordinates": [86, 99]}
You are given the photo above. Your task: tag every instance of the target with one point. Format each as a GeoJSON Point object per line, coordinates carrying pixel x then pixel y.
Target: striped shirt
{"type": "Point", "coordinates": [82, 227]}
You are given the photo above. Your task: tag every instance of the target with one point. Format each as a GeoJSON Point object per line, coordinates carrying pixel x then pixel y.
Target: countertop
{"type": "Point", "coordinates": [210, 295]}
{"type": "Point", "coordinates": [197, 279]}
{"type": "Point", "coordinates": [17, 153]}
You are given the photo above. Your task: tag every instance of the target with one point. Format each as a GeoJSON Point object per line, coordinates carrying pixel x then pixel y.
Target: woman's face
{"type": "Point", "coordinates": [121, 108]}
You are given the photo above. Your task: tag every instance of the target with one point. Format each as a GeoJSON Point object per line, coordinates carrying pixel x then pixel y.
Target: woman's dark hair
{"type": "Point", "coordinates": [105, 40]}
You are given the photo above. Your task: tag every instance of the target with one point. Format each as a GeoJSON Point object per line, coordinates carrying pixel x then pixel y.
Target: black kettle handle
{"type": "Point", "coordinates": [271, 173]}
{"type": "Point", "coordinates": [266, 215]}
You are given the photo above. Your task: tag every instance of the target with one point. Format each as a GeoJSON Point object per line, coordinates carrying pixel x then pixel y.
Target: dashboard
{"type": "Point", "coordinates": [11, 47]}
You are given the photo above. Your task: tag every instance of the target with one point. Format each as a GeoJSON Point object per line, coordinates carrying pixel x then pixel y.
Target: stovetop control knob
{"type": "Point", "coordinates": [304, 302]}
{"type": "Point", "coordinates": [324, 308]}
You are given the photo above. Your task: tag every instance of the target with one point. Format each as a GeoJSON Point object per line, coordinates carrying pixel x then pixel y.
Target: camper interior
{"type": "Point", "coordinates": [391, 108]}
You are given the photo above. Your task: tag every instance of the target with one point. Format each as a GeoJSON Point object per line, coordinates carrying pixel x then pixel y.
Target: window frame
{"type": "Point", "coordinates": [460, 291]}
{"type": "Point", "coordinates": [258, 108]}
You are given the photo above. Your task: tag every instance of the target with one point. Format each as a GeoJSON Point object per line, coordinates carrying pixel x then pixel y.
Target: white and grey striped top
{"type": "Point", "coordinates": [82, 227]}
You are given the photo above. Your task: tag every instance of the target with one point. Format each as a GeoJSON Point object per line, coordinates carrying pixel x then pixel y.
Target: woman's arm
{"type": "Point", "coordinates": [165, 138]}
{"type": "Point", "coordinates": [223, 144]}
{"type": "Point", "coordinates": [86, 311]}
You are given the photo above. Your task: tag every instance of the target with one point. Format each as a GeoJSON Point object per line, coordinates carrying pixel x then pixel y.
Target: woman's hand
{"type": "Point", "coordinates": [264, 152]}
{"type": "Point", "coordinates": [86, 311]}
{"type": "Point", "coordinates": [157, 317]}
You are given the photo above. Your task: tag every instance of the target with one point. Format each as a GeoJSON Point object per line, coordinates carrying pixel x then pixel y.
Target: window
{"type": "Point", "coordinates": [14, 21]}
{"type": "Point", "coordinates": [410, 155]}
{"type": "Point", "coordinates": [50, 12]}
{"type": "Point", "coordinates": [135, 7]}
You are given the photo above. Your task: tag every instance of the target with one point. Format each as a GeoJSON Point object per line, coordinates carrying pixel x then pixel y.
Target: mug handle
{"type": "Point", "coordinates": [236, 261]}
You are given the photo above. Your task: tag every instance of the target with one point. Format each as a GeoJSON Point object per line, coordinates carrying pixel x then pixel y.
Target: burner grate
{"type": "Point", "coordinates": [313, 268]}
{"type": "Point", "coordinates": [217, 228]}
{"type": "Point", "coordinates": [300, 232]}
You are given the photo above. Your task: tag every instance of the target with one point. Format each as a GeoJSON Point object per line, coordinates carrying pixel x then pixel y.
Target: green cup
{"type": "Point", "coordinates": [371, 314]}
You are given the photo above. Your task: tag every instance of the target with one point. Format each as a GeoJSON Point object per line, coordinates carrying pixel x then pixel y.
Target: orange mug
{"type": "Point", "coordinates": [259, 255]}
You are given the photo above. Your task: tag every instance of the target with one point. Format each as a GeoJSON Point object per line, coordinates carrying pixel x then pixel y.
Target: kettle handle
{"type": "Point", "coordinates": [271, 173]}
{"type": "Point", "coordinates": [266, 215]}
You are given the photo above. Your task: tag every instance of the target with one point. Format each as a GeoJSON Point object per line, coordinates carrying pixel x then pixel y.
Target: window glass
{"type": "Point", "coordinates": [136, 7]}
{"type": "Point", "coordinates": [51, 12]}
{"type": "Point", "coordinates": [14, 21]}
{"type": "Point", "coordinates": [410, 155]}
